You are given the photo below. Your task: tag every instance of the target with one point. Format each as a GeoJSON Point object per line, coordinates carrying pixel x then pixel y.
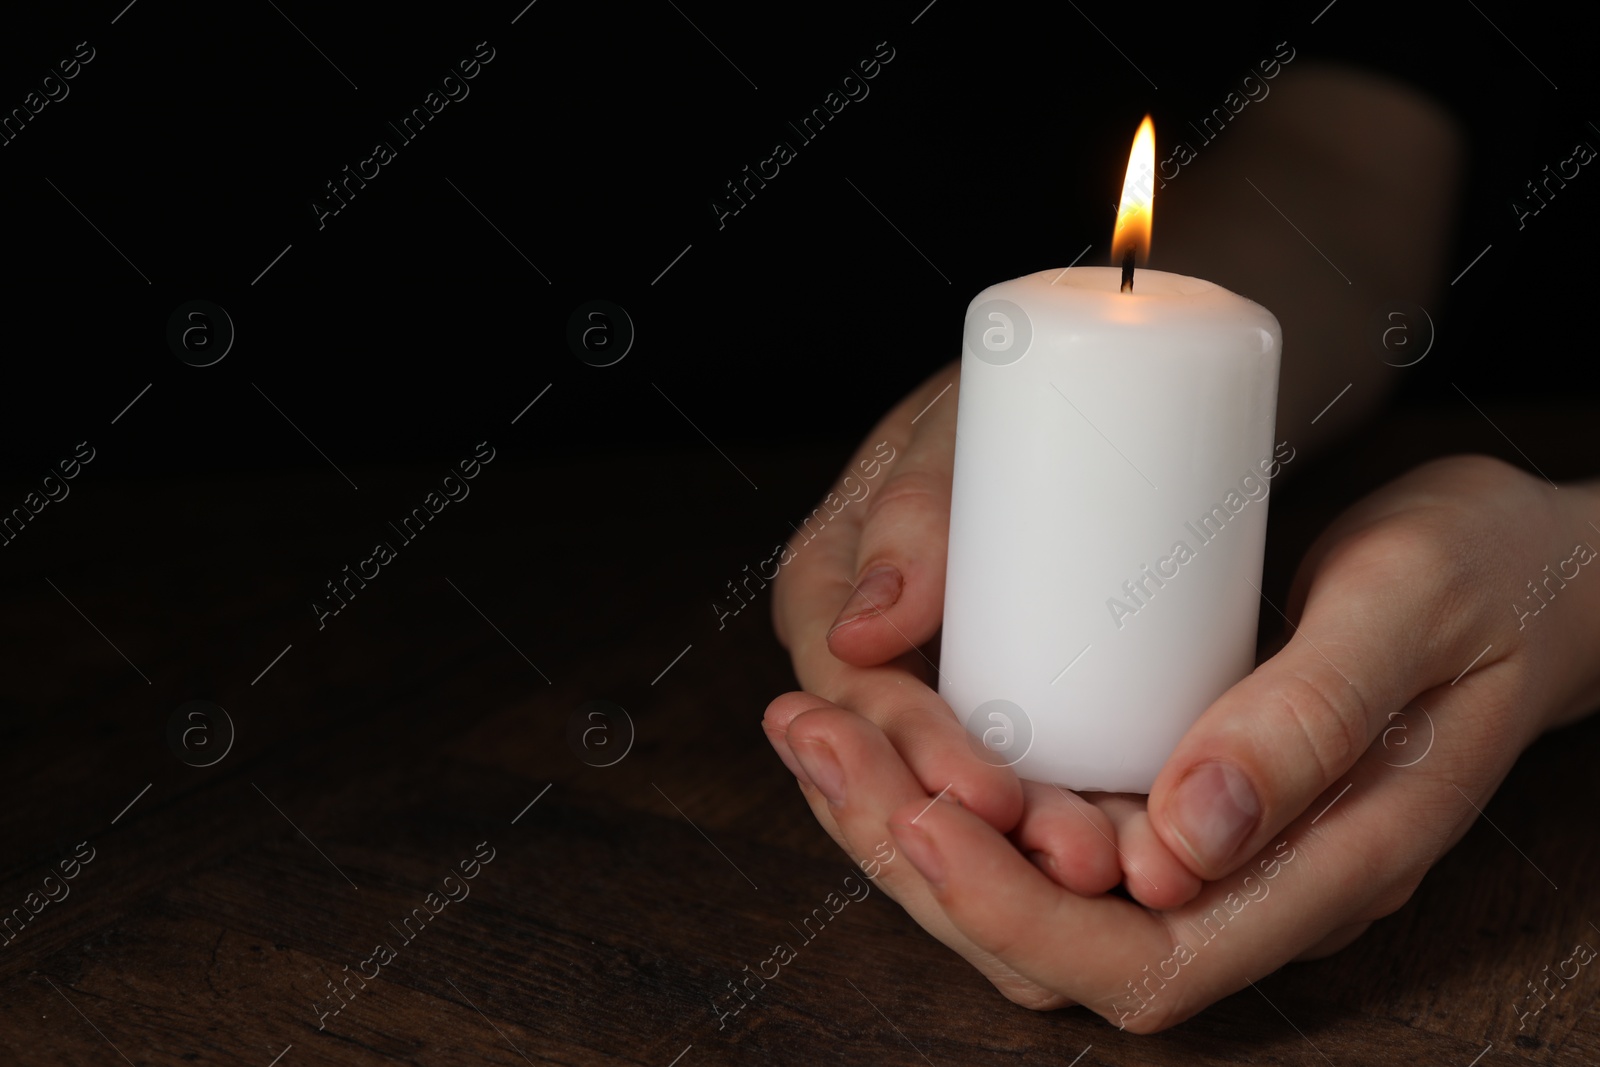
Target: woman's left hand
{"type": "Point", "coordinates": [1292, 797]}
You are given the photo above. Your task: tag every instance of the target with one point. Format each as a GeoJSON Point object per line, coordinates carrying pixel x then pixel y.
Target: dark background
{"type": "Point", "coordinates": [409, 329]}
{"type": "Point", "coordinates": [595, 141]}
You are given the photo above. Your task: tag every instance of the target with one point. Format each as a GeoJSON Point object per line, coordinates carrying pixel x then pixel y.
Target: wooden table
{"type": "Point", "coordinates": [432, 714]}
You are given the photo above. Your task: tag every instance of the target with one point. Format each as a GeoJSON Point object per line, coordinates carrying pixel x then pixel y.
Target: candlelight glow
{"type": "Point", "coordinates": [1138, 188]}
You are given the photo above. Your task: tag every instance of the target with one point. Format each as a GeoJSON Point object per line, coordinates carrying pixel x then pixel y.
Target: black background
{"type": "Point", "coordinates": [413, 326]}
{"type": "Point", "coordinates": [409, 329]}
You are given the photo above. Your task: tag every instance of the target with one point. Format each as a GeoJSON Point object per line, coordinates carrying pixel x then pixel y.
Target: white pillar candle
{"type": "Point", "coordinates": [1108, 518]}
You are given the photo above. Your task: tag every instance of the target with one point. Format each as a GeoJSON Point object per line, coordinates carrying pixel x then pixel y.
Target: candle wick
{"type": "Point", "coordinates": [1127, 271]}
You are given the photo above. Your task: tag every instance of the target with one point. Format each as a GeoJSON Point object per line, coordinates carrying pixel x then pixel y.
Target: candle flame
{"type": "Point", "coordinates": [1138, 190]}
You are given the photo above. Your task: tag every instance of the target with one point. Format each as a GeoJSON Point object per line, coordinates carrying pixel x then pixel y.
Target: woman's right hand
{"type": "Point", "coordinates": [862, 593]}
{"type": "Point", "coordinates": [875, 580]}
{"type": "Point", "coordinates": [859, 603]}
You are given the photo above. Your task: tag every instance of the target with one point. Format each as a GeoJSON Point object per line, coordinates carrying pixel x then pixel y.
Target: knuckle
{"type": "Point", "coordinates": [1150, 1017]}
{"type": "Point", "coordinates": [1423, 545]}
{"type": "Point", "coordinates": [1431, 558]}
{"type": "Point", "coordinates": [918, 491]}
{"type": "Point", "coordinates": [1000, 937]}
{"type": "Point", "coordinates": [1151, 1020]}
{"type": "Point", "coordinates": [1330, 718]}
{"type": "Point", "coordinates": [1022, 992]}
{"type": "Point", "coordinates": [1476, 472]}
{"type": "Point", "coordinates": [867, 701]}
{"type": "Point", "coordinates": [1394, 897]}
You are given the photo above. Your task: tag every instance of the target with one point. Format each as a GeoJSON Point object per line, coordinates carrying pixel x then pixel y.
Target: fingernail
{"type": "Point", "coordinates": [821, 766]}
{"type": "Point", "coordinates": [1212, 811]}
{"type": "Point", "coordinates": [779, 740]}
{"type": "Point", "coordinates": [921, 851]}
{"type": "Point", "coordinates": [877, 589]}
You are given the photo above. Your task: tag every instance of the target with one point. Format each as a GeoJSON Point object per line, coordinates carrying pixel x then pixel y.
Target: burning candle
{"type": "Point", "coordinates": [1114, 449]}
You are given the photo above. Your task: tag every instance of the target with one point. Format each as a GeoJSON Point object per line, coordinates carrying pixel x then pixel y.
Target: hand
{"type": "Point", "coordinates": [860, 590]}
{"type": "Point", "coordinates": [865, 589]}
{"type": "Point", "coordinates": [1425, 578]}
{"type": "Point", "coordinates": [866, 578]}
{"type": "Point", "coordinates": [855, 631]}
{"type": "Point", "coordinates": [1404, 606]}
{"type": "Point", "coordinates": [871, 588]}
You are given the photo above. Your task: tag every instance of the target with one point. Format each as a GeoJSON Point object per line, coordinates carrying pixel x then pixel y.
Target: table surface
{"type": "Point", "coordinates": [430, 720]}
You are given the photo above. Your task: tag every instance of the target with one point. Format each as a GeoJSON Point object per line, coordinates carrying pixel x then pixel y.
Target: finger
{"type": "Point", "coordinates": [810, 584]}
{"type": "Point", "coordinates": [896, 596]}
{"type": "Point", "coordinates": [1150, 872]}
{"type": "Point", "coordinates": [1376, 631]}
{"type": "Point", "coordinates": [1068, 839]}
{"type": "Point", "coordinates": [775, 723]}
{"type": "Point", "coordinates": [924, 734]}
{"type": "Point", "coordinates": [861, 780]}
{"type": "Point", "coordinates": [1139, 969]}
{"type": "Point", "coordinates": [818, 566]}
{"type": "Point", "coordinates": [1080, 947]}
{"type": "Point", "coordinates": [1333, 870]}
{"type": "Point", "coordinates": [820, 750]}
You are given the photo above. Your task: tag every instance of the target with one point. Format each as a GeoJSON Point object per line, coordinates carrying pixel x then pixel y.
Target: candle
{"type": "Point", "coordinates": [1114, 449]}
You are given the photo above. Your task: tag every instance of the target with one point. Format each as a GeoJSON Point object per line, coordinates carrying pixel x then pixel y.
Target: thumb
{"type": "Point", "coordinates": [896, 599]}
{"type": "Point", "coordinates": [1383, 622]}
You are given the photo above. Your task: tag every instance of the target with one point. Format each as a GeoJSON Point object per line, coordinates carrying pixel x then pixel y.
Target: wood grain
{"type": "Point", "coordinates": [617, 907]}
